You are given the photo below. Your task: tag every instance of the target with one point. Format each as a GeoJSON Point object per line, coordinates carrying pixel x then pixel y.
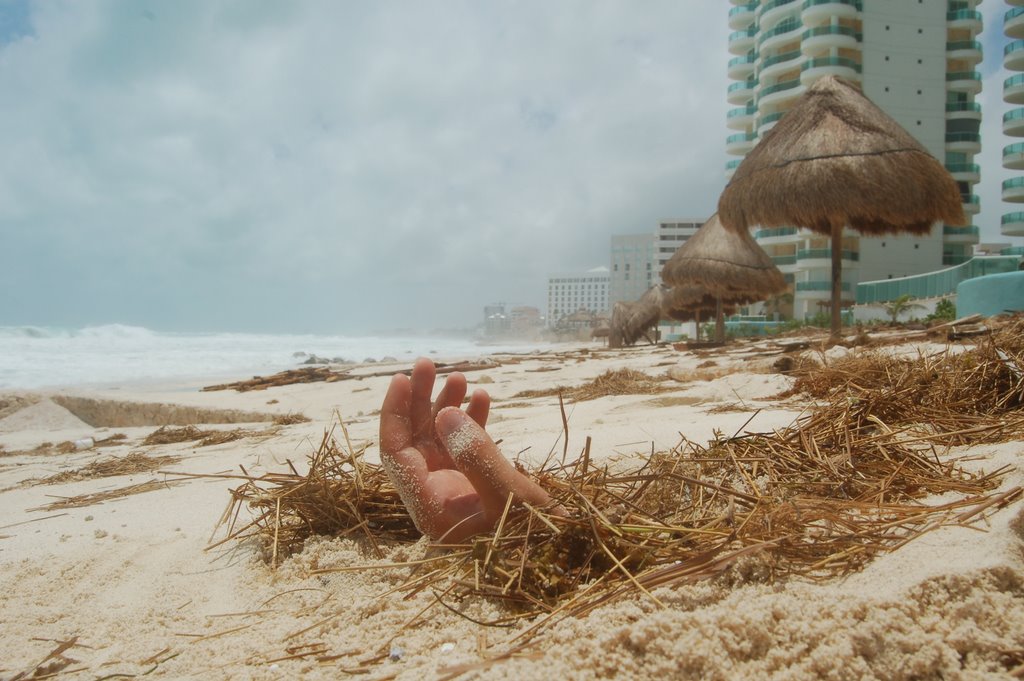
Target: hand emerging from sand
{"type": "Point", "coordinates": [451, 476]}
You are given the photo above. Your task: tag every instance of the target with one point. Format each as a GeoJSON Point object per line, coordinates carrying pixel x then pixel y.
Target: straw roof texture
{"type": "Point", "coordinates": [836, 159]}
{"type": "Point", "coordinates": [685, 303]}
{"type": "Point", "coordinates": [726, 264]}
{"type": "Point", "coordinates": [630, 321]}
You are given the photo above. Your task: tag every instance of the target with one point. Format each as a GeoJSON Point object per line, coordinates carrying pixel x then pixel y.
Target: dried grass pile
{"type": "Point", "coordinates": [290, 419]}
{"type": "Point", "coordinates": [166, 435]}
{"type": "Point", "coordinates": [130, 464]}
{"type": "Point", "coordinates": [82, 500]}
{"type": "Point", "coordinates": [340, 495]}
{"type": "Point", "coordinates": [612, 382]}
{"type": "Point", "coordinates": [820, 498]}
{"type": "Point", "coordinates": [970, 396]}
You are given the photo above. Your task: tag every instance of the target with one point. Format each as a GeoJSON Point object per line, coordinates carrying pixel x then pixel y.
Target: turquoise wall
{"type": "Point", "coordinates": [991, 295]}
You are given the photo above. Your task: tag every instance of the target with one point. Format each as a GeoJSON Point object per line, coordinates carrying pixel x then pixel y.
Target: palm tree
{"type": "Point", "coordinates": [778, 302]}
{"type": "Point", "coordinates": [894, 308]}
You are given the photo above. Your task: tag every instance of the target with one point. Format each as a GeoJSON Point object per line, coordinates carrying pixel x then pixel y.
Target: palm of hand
{"type": "Point", "coordinates": [452, 479]}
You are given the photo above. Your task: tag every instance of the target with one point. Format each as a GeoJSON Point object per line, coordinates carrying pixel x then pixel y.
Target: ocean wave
{"type": "Point", "coordinates": [33, 332]}
{"type": "Point", "coordinates": [98, 332]}
{"type": "Point", "coordinates": [120, 331]}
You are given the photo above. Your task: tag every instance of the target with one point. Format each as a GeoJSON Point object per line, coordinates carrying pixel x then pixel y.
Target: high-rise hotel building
{"type": "Point", "coordinates": [1013, 119]}
{"type": "Point", "coordinates": [917, 60]}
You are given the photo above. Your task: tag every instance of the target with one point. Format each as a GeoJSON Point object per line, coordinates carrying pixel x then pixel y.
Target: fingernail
{"type": "Point", "coordinates": [459, 432]}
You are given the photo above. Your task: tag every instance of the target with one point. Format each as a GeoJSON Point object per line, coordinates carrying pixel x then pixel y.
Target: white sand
{"type": "Point", "coordinates": [134, 580]}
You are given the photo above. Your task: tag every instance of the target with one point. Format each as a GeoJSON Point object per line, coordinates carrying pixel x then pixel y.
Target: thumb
{"type": "Point", "coordinates": [479, 459]}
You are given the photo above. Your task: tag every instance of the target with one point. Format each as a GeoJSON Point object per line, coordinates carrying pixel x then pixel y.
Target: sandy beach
{"type": "Point", "coordinates": [123, 585]}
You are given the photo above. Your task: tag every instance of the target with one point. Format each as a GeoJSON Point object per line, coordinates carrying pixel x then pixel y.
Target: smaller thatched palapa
{"type": "Point", "coordinates": [692, 304]}
{"type": "Point", "coordinates": [687, 303]}
{"type": "Point", "coordinates": [632, 321]}
{"type": "Point", "coordinates": [837, 159]}
{"type": "Point", "coordinates": [726, 264]}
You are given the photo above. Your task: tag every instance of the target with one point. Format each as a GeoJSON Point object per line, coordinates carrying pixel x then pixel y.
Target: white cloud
{"type": "Point", "coordinates": [239, 164]}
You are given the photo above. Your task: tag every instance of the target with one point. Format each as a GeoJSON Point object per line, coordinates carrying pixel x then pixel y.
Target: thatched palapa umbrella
{"type": "Point", "coordinates": [835, 160]}
{"type": "Point", "coordinates": [727, 264]}
{"type": "Point", "coordinates": [689, 303]}
{"type": "Point", "coordinates": [632, 320]}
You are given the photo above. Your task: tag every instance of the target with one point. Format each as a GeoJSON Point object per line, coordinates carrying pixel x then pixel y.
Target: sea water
{"type": "Point", "coordinates": [38, 357]}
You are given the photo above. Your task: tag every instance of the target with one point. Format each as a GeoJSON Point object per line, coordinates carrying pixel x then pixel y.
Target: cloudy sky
{"type": "Point", "coordinates": [324, 166]}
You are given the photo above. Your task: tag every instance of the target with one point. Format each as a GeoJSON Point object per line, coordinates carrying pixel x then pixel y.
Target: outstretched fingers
{"type": "Point", "coordinates": [420, 412]}
{"type": "Point", "coordinates": [479, 407]}
{"type": "Point", "coordinates": [482, 463]}
{"type": "Point", "coordinates": [452, 393]}
{"type": "Point", "coordinates": [403, 462]}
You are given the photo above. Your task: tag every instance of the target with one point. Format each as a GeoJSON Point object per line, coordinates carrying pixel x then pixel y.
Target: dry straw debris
{"type": "Point", "coordinates": [91, 499]}
{"type": "Point", "coordinates": [130, 464]}
{"type": "Point", "coordinates": [166, 435]}
{"type": "Point", "coordinates": [290, 419]}
{"type": "Point", "coordinates": [611, 382]}
{"type": "Point", "coordinates": [819, 498]}
{"type": "Point", "coordinates": [969, 396]}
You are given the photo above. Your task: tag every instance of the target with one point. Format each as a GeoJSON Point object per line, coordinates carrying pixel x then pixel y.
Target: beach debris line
{"type": "Point", "coordinates": [967, 397]}
{"type": "Point", "coordinates": [612, 382]}
{"type": "Point", "coordinates": [166, 435]}
{"type": "Point", "coordinates": [820, 498]}
{"type": "Point", "coordinates": [81, 500]}
{"type": "Point", "coordinates": [328, 375]}
{"type": "Point", "coordinates": [340, 494]}
{"type": "Point", "coordinates": [130, 464]}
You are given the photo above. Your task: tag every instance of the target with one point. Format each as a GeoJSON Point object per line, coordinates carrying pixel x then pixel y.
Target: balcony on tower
{"type": "Point", "coordinates": [740, 143]}
{"type": "Point", "coordinates": [780, 93]}
{"type": "Point", "coordinates": [742, 16]}
{"type": "Point", "coordinates": [741, 42]}
{"type": "Point", "coordinates": [1013, 156]}
{"type": "Point", "coordinates": [1012, 224]}
{"type": "Point", "coordinates": [972, 203]}
{"type": "Point", "coordinates": [742, 67]}
{"type": "Point", "coordinates": [1013, 89]}
{"type": "Point", "coordinates": [741, 118]}
{"type": "Point", "coordinates": [966, 51]}
{"type": "Point", "coordinates": [956, 111]}
{"type": "Point", "coordinates": [964, 81]}
{"type": "Point", "coordinates": [1013, 122]}
{"type": "Point", "coordinates": [771, 67]}
{"type": "Point", "coordinates": [1013, 22]}
{"type": "Point", "coordinates": [965, 172]}
{"type": "Point", "coordinates": [823, 11]}
{"type": "Point", "coordinates": [955, 235]}
{"type": "Point", "coordinates": [741, 92]}
{"type": "Point", "coordinates": [966, 19]}
{"type": "Point", "coordinates": [783, 33]}
{"type": "Point", "coordinates": [773, 11]}
{"type": "Point", "coordinates": [1013, 56]}
{"type": "Point", "coordinates": [823, 38]}
{"type": "Point", "coordinates": [1013, 190]}
{"type": "Point", "coordinates": [844, 67]}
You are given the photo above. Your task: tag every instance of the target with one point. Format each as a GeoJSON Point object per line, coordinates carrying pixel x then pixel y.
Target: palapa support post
{"type": "Point", "coordinates": [837, 279]}
{"type": "Point", "coordinates": [719, 321]}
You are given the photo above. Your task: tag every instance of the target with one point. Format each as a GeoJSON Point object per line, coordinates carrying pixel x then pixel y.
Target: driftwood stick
{"type": "Point", "coordinates": [325, 374]}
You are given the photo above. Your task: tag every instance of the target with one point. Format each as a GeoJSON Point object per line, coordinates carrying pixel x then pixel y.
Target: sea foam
{"type": "Point", "coordinates": [36, 357]}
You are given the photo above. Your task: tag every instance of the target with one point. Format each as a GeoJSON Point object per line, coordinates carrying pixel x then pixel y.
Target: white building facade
{"type": "Point", "coordinates": [634, 259]}
{"type": "Point", "coordinates": [570, 292]}
{"type": "Point", "coordinates": [917, 60]}
{"type": "Point", "coordinates": [637, 259]}
{"type": "Point", "coordinates": [671, 235]}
